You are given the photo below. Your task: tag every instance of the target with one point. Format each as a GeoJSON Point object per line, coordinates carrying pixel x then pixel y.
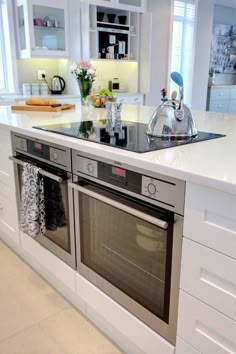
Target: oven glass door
{"type": "Point", "coordinates": [128, 243]}
{"type": "Point", "coordinates": [57, 236]}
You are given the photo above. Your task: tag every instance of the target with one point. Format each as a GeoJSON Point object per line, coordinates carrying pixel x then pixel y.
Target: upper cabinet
{"type": "Point", "coordinates": [42, 28]}
{"type": "Point", "coordinates": [109, 33]}
{"type": "Point", "coordinates": [129, 5]}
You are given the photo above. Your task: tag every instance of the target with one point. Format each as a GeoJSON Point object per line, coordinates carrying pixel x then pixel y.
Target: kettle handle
{"type": "Point", "coordinates": [63, 84]}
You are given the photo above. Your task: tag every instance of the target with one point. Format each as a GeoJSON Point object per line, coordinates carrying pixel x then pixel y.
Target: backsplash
{"type": "Point", "coordinates": [28, 70]}
{"type": "Point", "coordinates": [126, 72]}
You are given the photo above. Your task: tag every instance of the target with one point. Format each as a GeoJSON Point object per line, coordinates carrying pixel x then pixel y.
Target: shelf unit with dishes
{"type": "Point", "coordinates": [109, 34]}
{"type": "Point", "coordinates": [42, 28]}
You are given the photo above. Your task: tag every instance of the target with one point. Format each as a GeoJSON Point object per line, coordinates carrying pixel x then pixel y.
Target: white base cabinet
{"type": "Point", "coordinates": [222, 98]}
{"type": "Point", "coordinates": [206, 329]}
{"type": "Point", "coordinates": [184, 348]}
{"type": "Point", "coordinates": [8, 213]}
{"type": "Point", "coordinates": [209, 276]}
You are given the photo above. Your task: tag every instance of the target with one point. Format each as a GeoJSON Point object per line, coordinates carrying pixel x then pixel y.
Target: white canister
{"type": "Point", "coordinates": [35, 89]}
{"type": "Point", "coordinates": [43, 89]}
{"type": "Point", "coordinates": [26, 89]}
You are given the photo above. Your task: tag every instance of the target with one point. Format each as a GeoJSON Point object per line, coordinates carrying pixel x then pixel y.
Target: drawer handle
{"type": "Point", "coordinates": [219, 105]}
{"type": "Point", "coordinates": [218, 282]}
{"type": "Point", "coordinates": [215, 337]}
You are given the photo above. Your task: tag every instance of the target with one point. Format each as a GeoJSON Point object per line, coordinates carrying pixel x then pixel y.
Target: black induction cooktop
{"type": "Point", "coordinates": [126, 135]}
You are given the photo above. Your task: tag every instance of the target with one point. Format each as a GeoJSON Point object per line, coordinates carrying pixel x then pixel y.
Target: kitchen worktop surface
{"type": "Point", "coordinates": [211, 163]}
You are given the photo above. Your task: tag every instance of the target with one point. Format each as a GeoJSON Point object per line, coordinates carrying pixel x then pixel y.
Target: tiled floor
{"type": "Point", "coordinates": [35, 319]}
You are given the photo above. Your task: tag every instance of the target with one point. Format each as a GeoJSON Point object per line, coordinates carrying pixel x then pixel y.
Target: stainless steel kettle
{"type": "Point", "coordinates": [173, 119]}
{"type": "Point", "coordinates": [58, 84]}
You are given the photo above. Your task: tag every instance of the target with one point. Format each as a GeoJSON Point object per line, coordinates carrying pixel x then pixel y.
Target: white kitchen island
{"type": "Point", "coordinates": [207, 302]}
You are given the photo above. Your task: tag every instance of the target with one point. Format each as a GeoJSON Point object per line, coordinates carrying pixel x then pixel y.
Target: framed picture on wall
{"type": "Point", "coordinates": [223, 49]}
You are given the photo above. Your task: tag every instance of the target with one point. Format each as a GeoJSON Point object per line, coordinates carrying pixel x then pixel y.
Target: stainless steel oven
{"type": "Point", "coordinates": [54, 162]}
{"type": "Point", "coordinates": [128, 227]}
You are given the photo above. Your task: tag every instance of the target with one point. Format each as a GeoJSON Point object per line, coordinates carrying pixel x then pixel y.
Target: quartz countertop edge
{"type": "Point", "coordinates": [210, 163]}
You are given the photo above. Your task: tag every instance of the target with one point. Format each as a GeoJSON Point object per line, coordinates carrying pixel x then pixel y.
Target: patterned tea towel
{"type": "Point", "coordinates": [32, 211]}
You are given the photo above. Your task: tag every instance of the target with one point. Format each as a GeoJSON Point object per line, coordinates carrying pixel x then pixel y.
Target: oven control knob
{"type": "Point", "coordinates": [90, 168]}
{"type": "Point", "coordinates": [151, 188]}
{"type": "Point", "coordinates": [55, 156]}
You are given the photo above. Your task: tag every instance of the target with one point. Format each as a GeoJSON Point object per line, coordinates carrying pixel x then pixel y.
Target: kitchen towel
{"type": "Point", "coordinates": [32, 211]}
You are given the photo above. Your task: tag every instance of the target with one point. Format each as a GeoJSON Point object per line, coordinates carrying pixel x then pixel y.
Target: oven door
{"type": "Point", "coordinates": [131, 250]}
{"type": "Point", "coordinates": [59, 235]}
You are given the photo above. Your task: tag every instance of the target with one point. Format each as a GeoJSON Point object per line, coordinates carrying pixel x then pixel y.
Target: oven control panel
{"type": "Point", "coordinates": [87, 166]}
{"type": "Point", "coordinates": [44, 151]}
{"type": "Point", "coordinates": [159, 190]}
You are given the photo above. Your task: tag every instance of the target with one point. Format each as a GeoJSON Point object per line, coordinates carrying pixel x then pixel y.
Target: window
{"type": "Point", "coordinates": [8, 75]}
{"type": "Point", "coordinates": [183, 44]}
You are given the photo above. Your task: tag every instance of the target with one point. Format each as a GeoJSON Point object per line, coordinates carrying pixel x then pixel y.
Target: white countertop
{"type": "Point", "coordinates": [211, 163]}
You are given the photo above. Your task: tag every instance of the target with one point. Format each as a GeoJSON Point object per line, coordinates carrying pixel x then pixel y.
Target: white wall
{"type": "Point", "coordinates": [161, 16]}
{"type": "Point", "coordinates": [202, 54]}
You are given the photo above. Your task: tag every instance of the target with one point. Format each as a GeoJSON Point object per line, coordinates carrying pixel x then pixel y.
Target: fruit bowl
{"type": "Point", "coordinates": [99, 101]}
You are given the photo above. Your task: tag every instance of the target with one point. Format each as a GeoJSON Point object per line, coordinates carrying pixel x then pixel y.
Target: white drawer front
{"type": "Point", "coordinates": [233, 93]}
{"type": "Point", "coordinates": [183, 348]}
{"type": "Point", "coordinates": [136, 99]}
{"type": "Point", "coordinates": [122, 99]}
{"type": "Point", "coordinates": [220, 93]}
{"type": "Point", "coordinates": [210, 218]}
{"type": "Point", "coordinates": [207, 330]}
{"type": "Point", "coordinates": [219, 106]}
{"type": "Point", "coordinates": [232, 106]}
{"type": "Point", "coordinates": [209, 276]}
{"type": "Point", "coordinates": [6, 166]}
{"type": "Point", "coordinates": [8, 212]}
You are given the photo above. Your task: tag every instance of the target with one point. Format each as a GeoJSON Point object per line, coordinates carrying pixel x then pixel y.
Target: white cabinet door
{"type": "Point", "coordinates": [209, 276]}
{"type": "Point", "coordinates": [136, 99]}
{"type": "Point", "coordinates": [183, 348]}
{"type": "Point", "coordinates": [205, 329]}
{"type": "Point", "coordinates": [210, 218]}
{"type": "Point", "coordinates": [42, 28]}
{"type": "Point", "coordinates": [8, 213]}
{"type": "Point", "coordinates": [6, 166]}
{"type": "Point", "coordinates": [219, 106]}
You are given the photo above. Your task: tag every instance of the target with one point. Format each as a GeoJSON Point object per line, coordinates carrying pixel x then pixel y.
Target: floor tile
{"type": "Point", "coordinates": [35, 319]}
{"type": "Point", "coordinates": [25, 298]}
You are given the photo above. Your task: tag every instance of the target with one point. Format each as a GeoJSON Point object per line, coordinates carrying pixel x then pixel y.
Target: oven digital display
{"type": "Point", "coordinates": [38, 146]}
{"type": "Point", "coordinates": [118, 171]}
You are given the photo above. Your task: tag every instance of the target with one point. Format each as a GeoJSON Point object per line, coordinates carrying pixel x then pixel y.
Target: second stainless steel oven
{"type": "Point", "coordinates": [54, 163]}
{"type": "Point", "coordinates": [128, 227]}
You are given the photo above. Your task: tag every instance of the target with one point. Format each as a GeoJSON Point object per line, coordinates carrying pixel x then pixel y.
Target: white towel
{"type": "Point", "coordinates": [32, 211]}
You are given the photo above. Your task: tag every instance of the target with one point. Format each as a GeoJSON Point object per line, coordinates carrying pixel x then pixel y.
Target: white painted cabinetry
{"type": "Point", "coordinates": [42, 28]}
{"type": "Point", "coordinates": [8, 203]}
{"type": "Point", "coordinates": [107, 38]}
{"type": "Point", "coordinates": [130, 5]}
{"type": "Point", "coordinates": [130, 98]}
{"type": "Point", "coordinates": [222, 99]}
{"type": "Point", "coordinates": [207, 304]}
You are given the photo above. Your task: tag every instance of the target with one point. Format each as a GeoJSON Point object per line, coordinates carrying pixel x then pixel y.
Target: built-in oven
{"type": "Point", "coordinates": [128, 228]}
{"type": "Point", "coordinates": [54, 163]}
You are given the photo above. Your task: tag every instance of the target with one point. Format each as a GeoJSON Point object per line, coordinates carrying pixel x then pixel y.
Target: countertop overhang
{"type": "Point", "coordinates": [210, 163]}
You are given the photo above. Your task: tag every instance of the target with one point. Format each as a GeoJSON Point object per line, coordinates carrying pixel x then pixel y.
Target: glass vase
{"type": "Point", "coordinates": [85, 90]}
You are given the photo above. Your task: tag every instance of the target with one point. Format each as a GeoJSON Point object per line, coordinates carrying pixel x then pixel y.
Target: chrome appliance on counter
{"type": "Point", "coordinates": [54, 162]}
{"type": "Point", "coordinates": [128, 227]}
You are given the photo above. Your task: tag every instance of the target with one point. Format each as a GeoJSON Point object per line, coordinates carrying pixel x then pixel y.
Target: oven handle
{"type": "Point", "coordinates": [139, 214]}
{"type": "Point", "coordinates": [42, 172]}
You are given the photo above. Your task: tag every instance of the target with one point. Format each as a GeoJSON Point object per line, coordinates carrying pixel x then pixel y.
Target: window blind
{"type": "Point", "coordinates": [183, 43]}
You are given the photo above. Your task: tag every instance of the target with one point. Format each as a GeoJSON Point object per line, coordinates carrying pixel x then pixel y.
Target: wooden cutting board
{"type": "Point", "coordinates": [24, 107]}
